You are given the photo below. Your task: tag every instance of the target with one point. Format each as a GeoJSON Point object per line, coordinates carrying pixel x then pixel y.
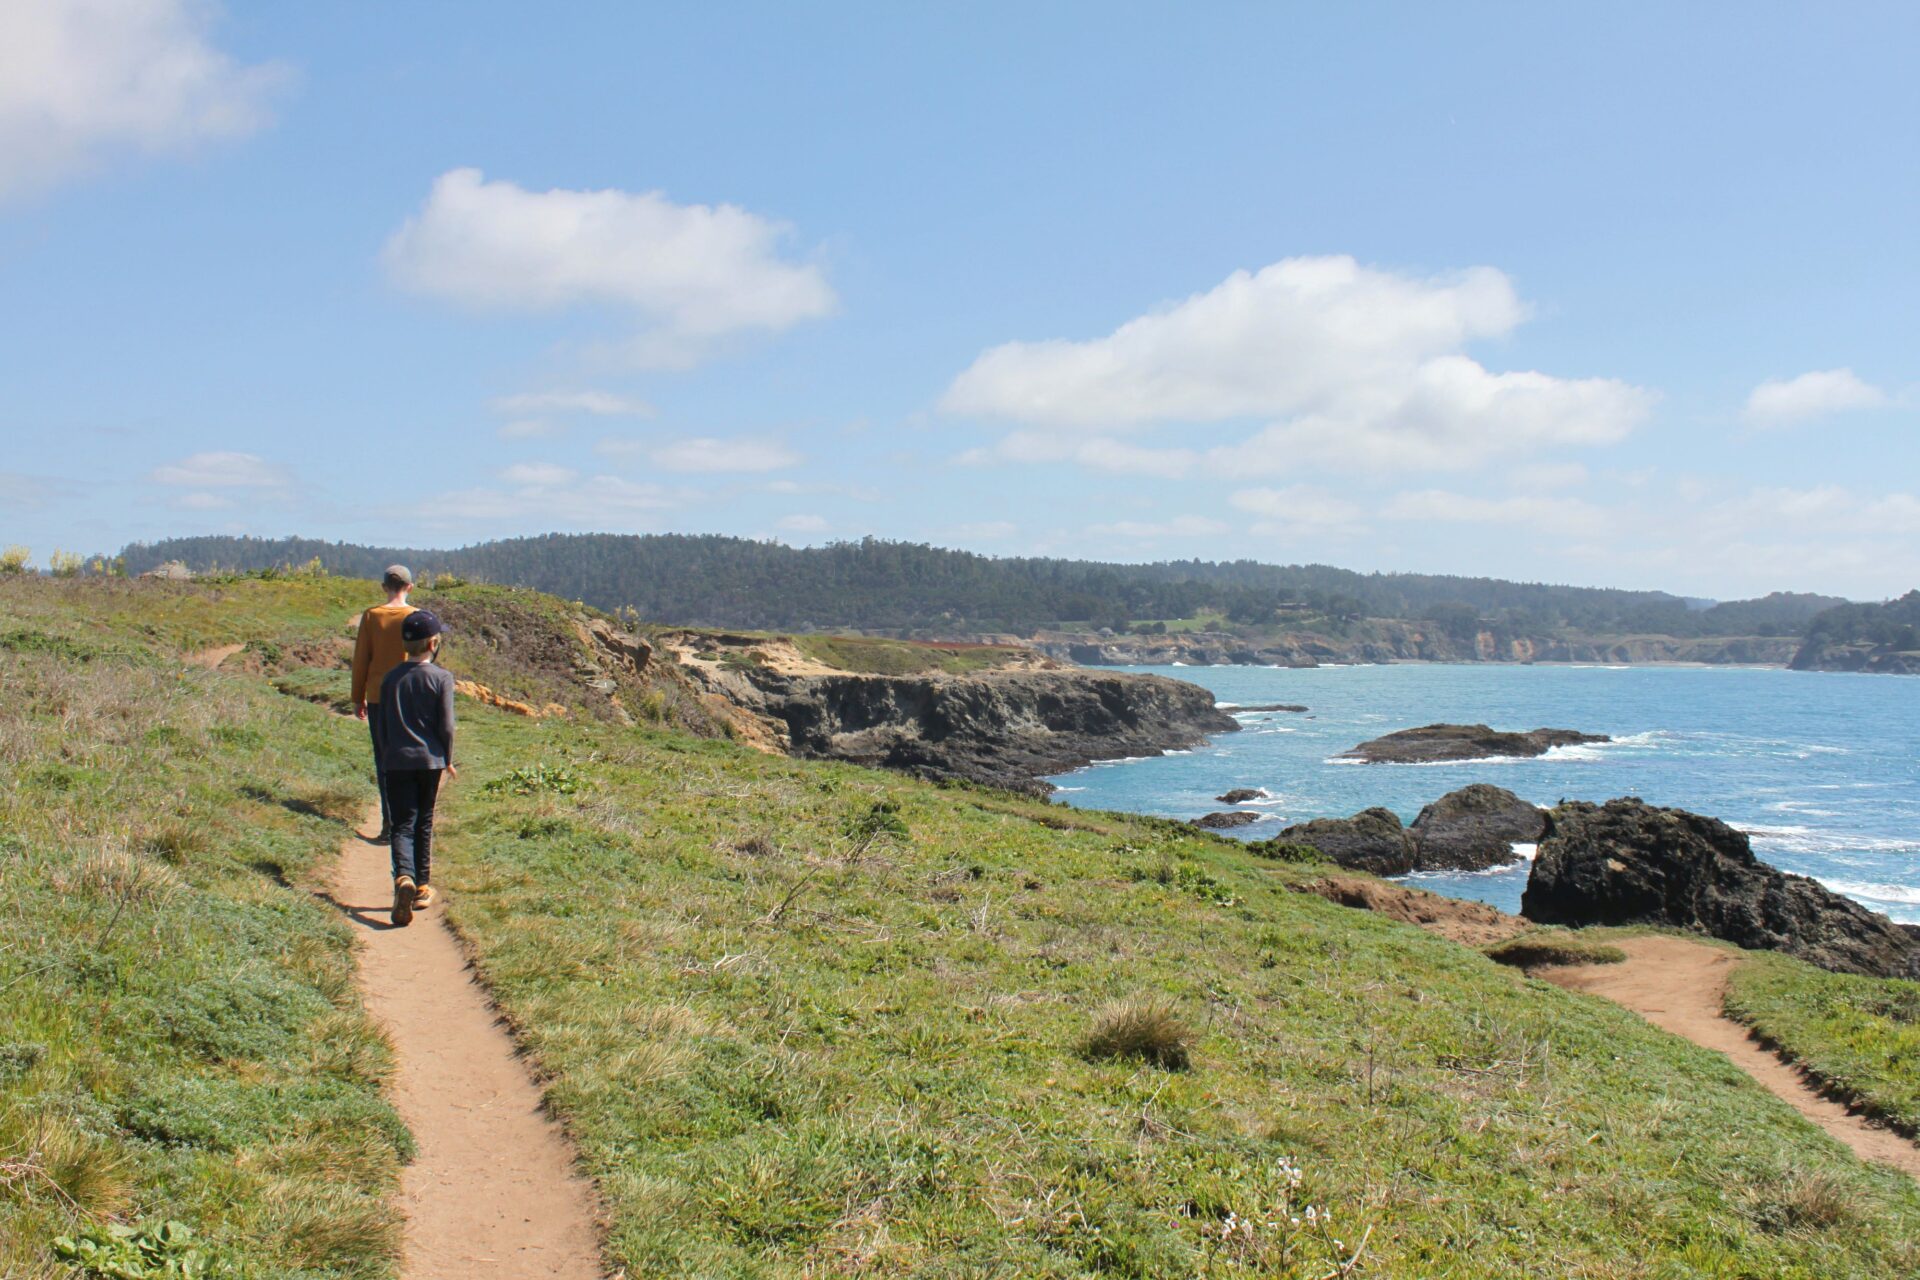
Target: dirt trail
{"type": "Point", "coordinates": [1678, 986]}
{"type": "Point", "coordinates": [493, 1191]}
{"type": "Point", "coordinates": [211, 658]}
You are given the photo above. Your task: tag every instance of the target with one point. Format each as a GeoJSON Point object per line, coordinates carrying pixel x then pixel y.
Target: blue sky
{"type": "Point", "coordinates": [1624, 296]}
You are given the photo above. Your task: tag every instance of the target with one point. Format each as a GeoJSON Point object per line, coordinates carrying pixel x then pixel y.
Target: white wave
{"type": "Point", "coordinates": [1101, 764]}
{"type": "Point", "coordinates": [1876, 890]}
{"type": "Point", "coordinates": [1525, 852]}
{"type": "Point", "coordinates": [1069, 788]}
{"type": "Point", "coordinates": [1224, 706]}
{"type": "Point", "coordinates": [1765, 829]}
{"type": "Point", "coordinates": [1583, 751]}
{"type": "Point", "coordinates": [1801, 806]}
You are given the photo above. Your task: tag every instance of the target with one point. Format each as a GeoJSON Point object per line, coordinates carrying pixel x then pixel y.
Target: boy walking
{"type": "Point", "coordinates": [377, 649]}
{"type": "Point", "coordinates": [416, 737]}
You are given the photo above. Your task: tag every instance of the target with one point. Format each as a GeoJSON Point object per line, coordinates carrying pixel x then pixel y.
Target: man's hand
{"type": "Point", "coordinates": [360, 711]}
{"type": "Point", "coordinates": [453, 774]}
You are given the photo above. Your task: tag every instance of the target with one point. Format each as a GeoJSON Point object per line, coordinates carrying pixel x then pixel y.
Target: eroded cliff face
{"type": "Point", "coordinates": [1392, 641]}
{"type": "Point", "coordinates": [1003, 728]}
{"type": "Point", "coordinates": [1874, 659]}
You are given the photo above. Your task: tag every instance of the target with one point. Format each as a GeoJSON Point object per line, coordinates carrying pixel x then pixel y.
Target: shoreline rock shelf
{"type": "Point", "coordinates": [1434, 743]}
{"type": "Point", "coordinates": [1470, 829]}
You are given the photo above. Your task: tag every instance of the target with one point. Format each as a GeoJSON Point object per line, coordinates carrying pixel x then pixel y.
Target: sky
{"type": "Point", "coordinates": [1617, 295]}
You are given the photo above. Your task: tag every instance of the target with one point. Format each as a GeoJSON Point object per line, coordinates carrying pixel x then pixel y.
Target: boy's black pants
{"type": "Point", "coordinates": [410, 797]}
{"type": "Point", "coordinates": [379, 768]}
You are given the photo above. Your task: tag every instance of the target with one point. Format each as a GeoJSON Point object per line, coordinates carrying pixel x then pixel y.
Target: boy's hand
{"type": "Point", "coordinates": [453, 774]}
{"type": "Point", "coordinates": [360, 711]}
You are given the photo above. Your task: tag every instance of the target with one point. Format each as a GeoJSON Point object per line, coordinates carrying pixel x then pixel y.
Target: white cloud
{"type": "Point", "coordinates": [538, 474]}
{"type": "Point", "coordinates": [1780, 402]}
{"type": "Point", "coordinates": [703, 453]}
{"type": "Point", "coordinates": [1177, 527]}
{"type": "Point", "coordinates": [218, 470]}
{"type": "Point", "coordinates": [202, 501]}
{"type": "Point", "coordinates": [1101, 453]}
{"type": "Point", "coordinates": [529, 429]}
{"type": "Point", "coordinates": [599, 403]}
{"type": "Point", "coordinates": [83, 79]}
{"type": "Point", "coordinates": [804, 524]}
{"type": "Point", "coordinates": [1360, 368]}
{"type": "Point", "coordinates": [586, 504]}
{"type": "Point", "coordinates": [1545, 515]}
{"type": "Point", "coordinates": [692, 274]}
{"type": "Point", "coordinates": [1548, 476]}
{"type": "Point", "coordinates": [1297, 506]}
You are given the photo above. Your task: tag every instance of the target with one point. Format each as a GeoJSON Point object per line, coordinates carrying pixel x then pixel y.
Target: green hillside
{"type": "Point", "coordinates": [801, 1019]}
{"type": "Point", "coordinates": [874, 584]}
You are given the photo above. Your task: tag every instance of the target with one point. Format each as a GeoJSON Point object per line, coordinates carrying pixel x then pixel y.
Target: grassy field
{"type": "Point", "coordinates": [811, 1020]}
{"type": "Point", "coordinates": [1860, 1037]}
{"type": "Point", "coordinates": [806, 1019]}
{"type": "Point", "coordinates": [179, 1032]}
{"type": "Point", "coordinates": [869, 656]}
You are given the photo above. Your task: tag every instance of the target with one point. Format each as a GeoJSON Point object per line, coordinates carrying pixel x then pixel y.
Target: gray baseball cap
{"type": "Point", "coordinates": [398, 575]}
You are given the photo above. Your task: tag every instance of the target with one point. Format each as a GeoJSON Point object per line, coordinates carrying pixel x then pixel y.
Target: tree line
{"type": "Point", "coordinates": [879, 585]}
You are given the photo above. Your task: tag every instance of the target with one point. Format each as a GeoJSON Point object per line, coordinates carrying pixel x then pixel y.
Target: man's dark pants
{"type": "Point", "coordinates": [410, 797]}
{"type": "Point", "coordinates": [379, 769]}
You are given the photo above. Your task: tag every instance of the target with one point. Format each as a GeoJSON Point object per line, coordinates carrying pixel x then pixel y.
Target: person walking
{"type": "Point", "coordinates": [377, 649]}
{"type": "Point", "coordinates": [416, 736]}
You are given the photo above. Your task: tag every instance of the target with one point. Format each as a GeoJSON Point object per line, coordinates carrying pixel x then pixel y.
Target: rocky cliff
{"type": "Point", "coordinates": [1870, 658]}
{"type": "Point", "coordinates": [1006, 726]}
{"type": "Point", "coordinates": [1627, 862]}
{"type": "Point", "coordinates": [1386, 640]}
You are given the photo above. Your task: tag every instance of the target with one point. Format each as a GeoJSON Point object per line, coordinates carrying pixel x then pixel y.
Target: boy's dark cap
{"type": "Point", "coordinates": [420, 624]}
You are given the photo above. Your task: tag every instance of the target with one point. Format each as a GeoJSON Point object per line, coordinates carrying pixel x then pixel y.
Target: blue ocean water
{"type": "Point", "coordinates": [1821, 770]}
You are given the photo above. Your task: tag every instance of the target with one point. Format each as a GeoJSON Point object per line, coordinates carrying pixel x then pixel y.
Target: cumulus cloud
{"type": "Point", "coordinates": [81, 80]}
{"type": "Point", "coordinates": [1784, 402]}
{"type": "Point", "coordinates": [529, 429]}
{"type": "Point", "coordinates": [1356, 367]}
{"type": "Point", "coordinates": [690, 273]}
{"type": "Point", "coordinates": [218, 470]}
{"type": "Point", "coordinates": [1101, 453]}
{"type": "Point", "coordinates": [598, 403]}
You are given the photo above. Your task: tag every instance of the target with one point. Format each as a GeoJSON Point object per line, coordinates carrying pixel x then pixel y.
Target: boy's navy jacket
{"type": "Point", "coordinates": [416, 717]}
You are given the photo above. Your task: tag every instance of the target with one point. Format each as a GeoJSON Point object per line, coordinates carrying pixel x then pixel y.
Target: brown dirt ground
{"type": "Point", "coordinates": [1472, 924]}
{"type": "Point", "coordinates": [494, 1191]}
{"type": "Point", "coordinates": [1678, 985]}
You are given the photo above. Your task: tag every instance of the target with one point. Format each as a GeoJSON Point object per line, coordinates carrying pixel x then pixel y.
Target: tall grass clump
{"type": "Point", "coordinates": [1148, 1030]}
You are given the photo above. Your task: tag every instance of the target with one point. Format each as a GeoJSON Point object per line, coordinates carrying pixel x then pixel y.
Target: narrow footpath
{"type": "Point", "coordinates": [493, 1191]}
{"type": "Point", "coordinates": [1678, 985]}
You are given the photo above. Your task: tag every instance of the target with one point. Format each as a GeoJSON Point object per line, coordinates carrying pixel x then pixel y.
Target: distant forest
{"type": "Point", "coordinates": [877, 585]}
{"type": "Point", "coordinates": [1894, 625]}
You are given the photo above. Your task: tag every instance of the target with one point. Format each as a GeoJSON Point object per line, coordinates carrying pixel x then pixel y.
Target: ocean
{"type": "Point", "coordinates": [1822, 770]}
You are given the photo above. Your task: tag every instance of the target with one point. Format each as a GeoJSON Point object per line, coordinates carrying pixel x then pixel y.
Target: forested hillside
{"type": "Point", "coordinates": [1865, 637]}
{"type": "Point", "coordinates": [708, 580]}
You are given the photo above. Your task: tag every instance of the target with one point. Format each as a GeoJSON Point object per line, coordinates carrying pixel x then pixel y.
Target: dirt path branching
{"type": "Point", "coordinates": [1679, 985]}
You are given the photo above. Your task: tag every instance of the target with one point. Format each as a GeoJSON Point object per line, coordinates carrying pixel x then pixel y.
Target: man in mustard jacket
{"type": "Point", "coordinates": [377, 650]}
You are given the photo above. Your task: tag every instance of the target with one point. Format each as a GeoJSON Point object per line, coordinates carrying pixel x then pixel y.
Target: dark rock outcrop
{"type": "Point", "coordinates": [1272, 706]}
{"type": "Point", "coordinates": [1474, 828]}
{"type": "Point", "coordinates": [1240, 795]}
{"type": "Point", "coordinates": [1003, 728]}
{"type": "Point", "coordinates": [1228, 820]}
{"type": "Point", "coordinates": [1435, 742]}
{"type": "Point", "coordinates": [1627, 862]}
{"type": "Point", "coordinates": [1371, 840]}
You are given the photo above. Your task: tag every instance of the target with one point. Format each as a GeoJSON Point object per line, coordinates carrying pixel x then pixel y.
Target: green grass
{"type": "Point", "coordinates": [1859, 1037]}
{"type": "Point", "coordinates": [805, 1019]}
{"type": "Point", "coordinates": [792, 1040]}
{"type": "Point", "coordinates": [867, 656]}
{"type": "Point", "coordinates": [180, 1036]}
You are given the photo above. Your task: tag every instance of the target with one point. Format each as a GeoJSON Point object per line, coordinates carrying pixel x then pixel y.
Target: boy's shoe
{"type": "Point", "coordinates": [423, 897]}
{"type": "Point", "coordinates": [402, 901]}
